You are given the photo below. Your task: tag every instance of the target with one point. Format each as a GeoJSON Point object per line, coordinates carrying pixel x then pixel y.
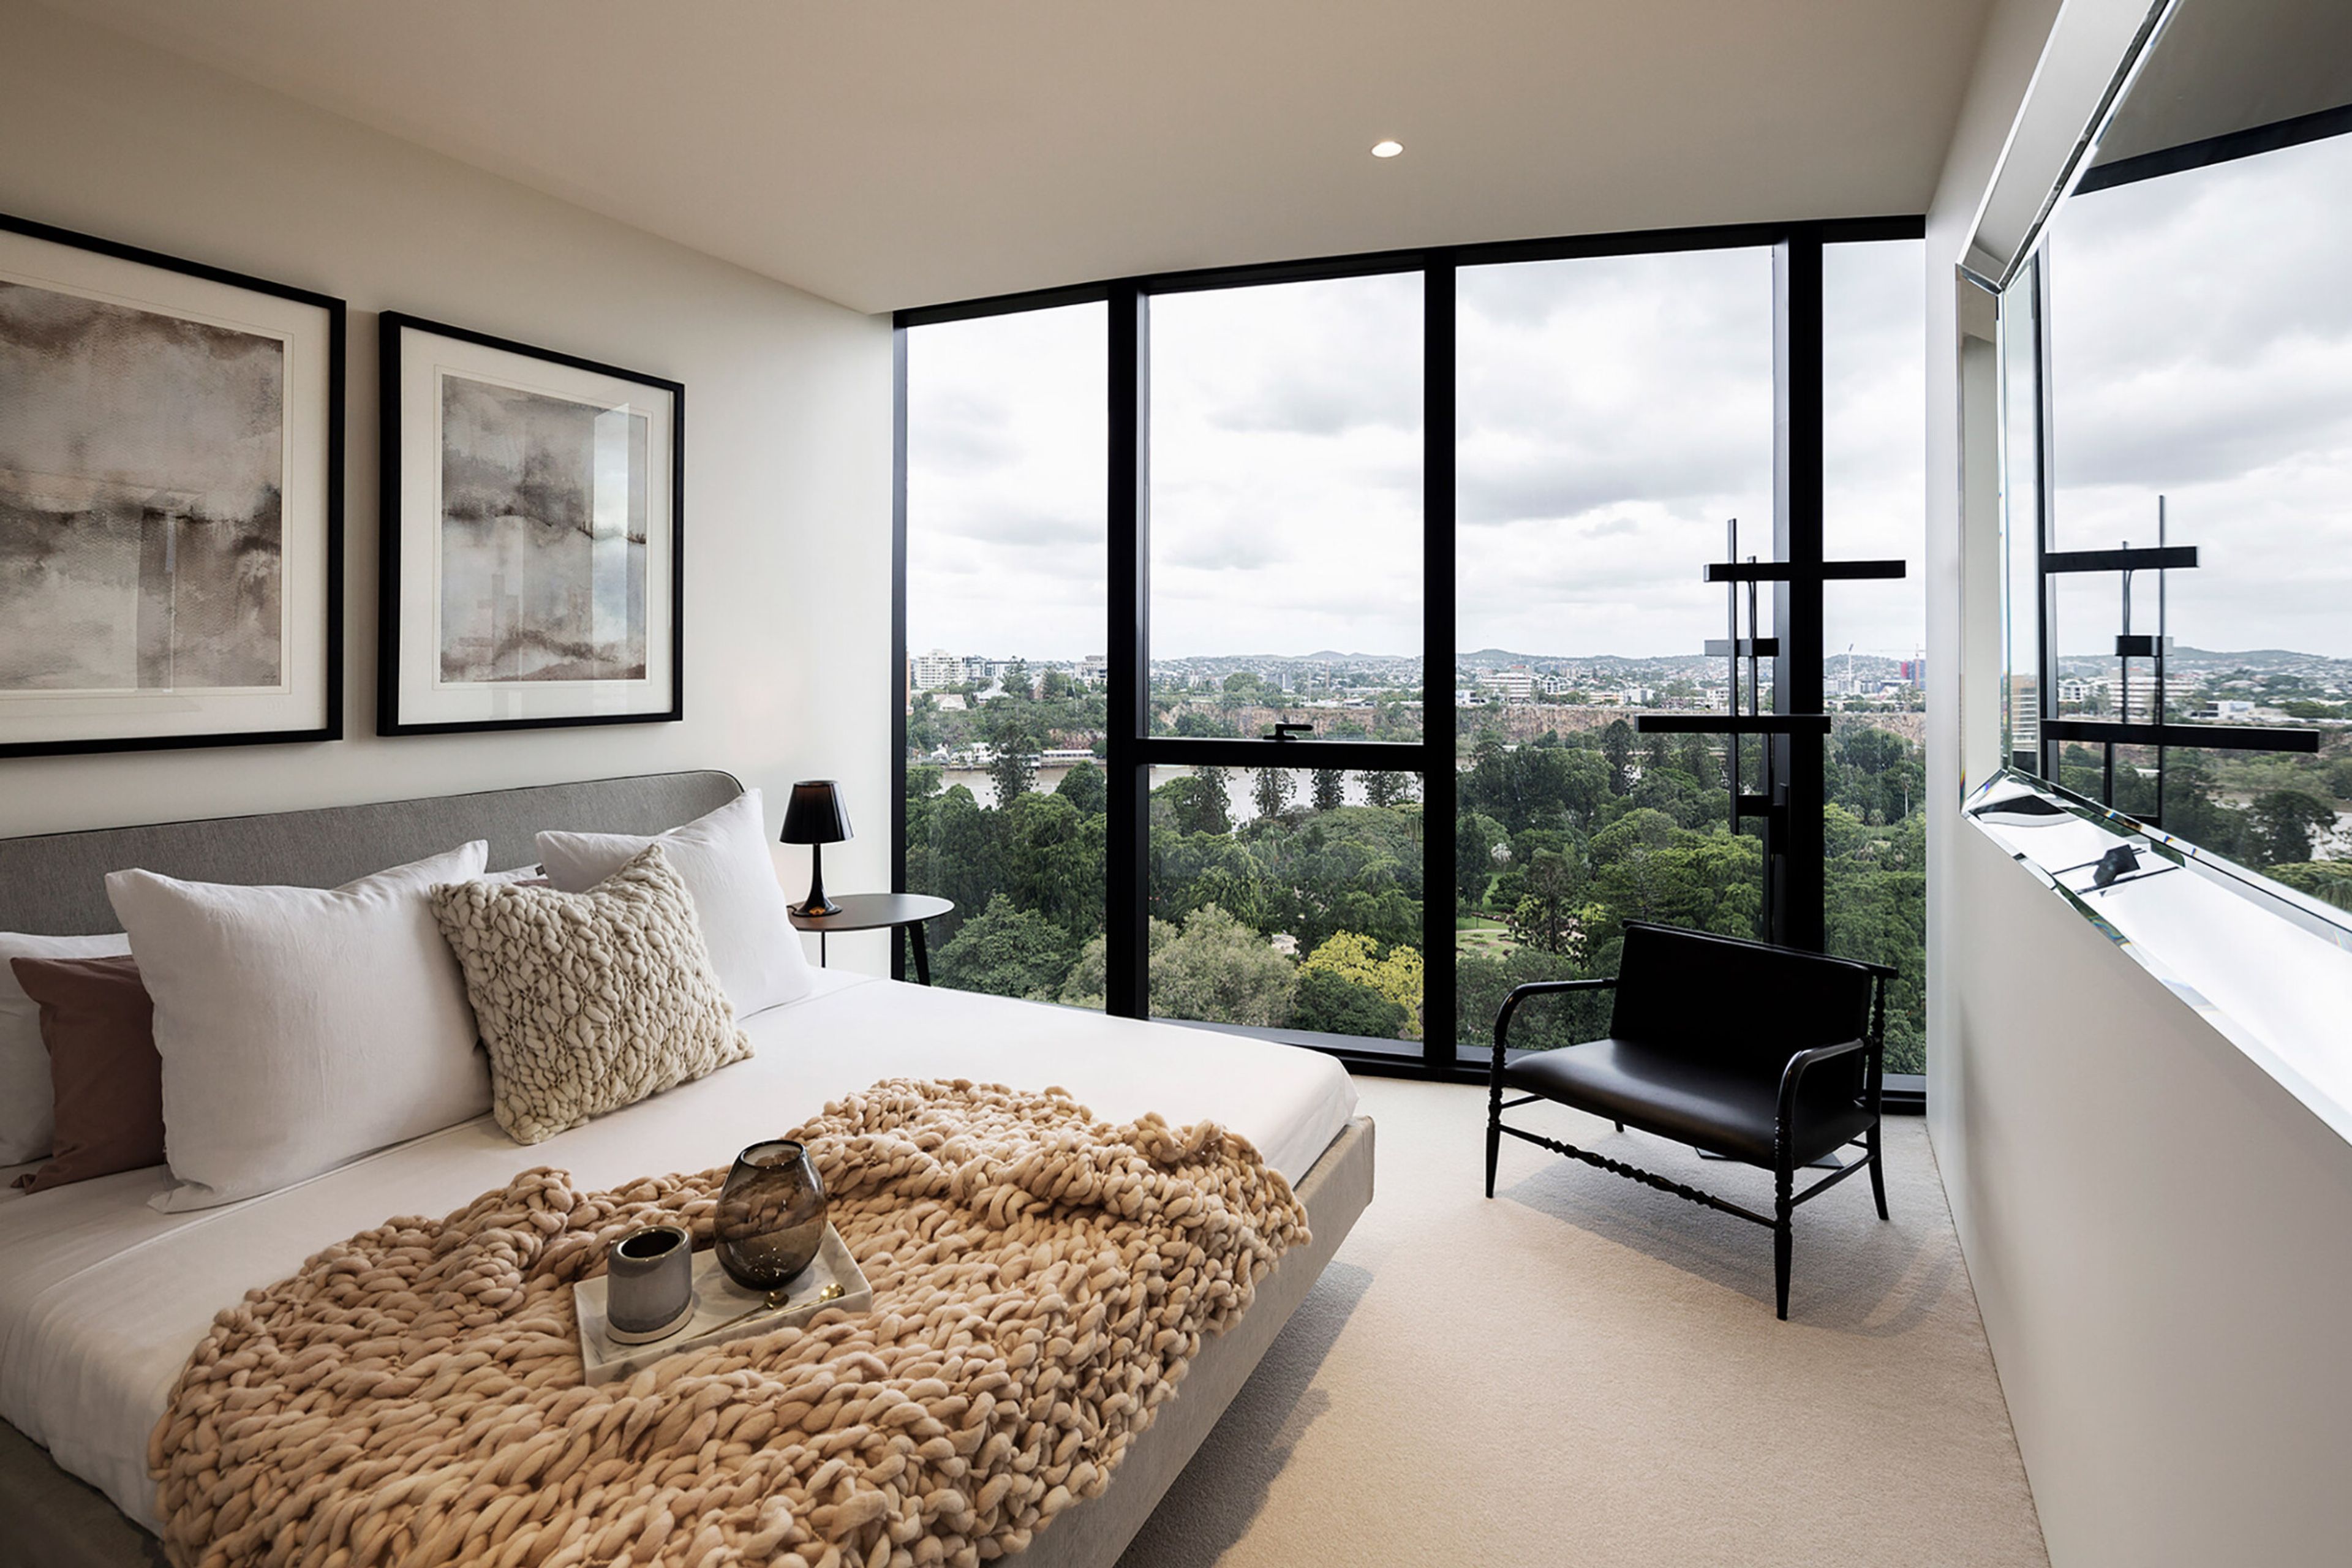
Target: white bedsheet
{"type": "Point", "coordinates": [102, 1299]}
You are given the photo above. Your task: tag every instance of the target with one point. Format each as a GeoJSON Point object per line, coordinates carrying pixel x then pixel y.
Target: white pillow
{"type": "Point", "coordinates": [724, 860]}
{"type": "Point", "coordinates": [27, 1105]}
{"type": "Point", "coordinates": [300, 1027]}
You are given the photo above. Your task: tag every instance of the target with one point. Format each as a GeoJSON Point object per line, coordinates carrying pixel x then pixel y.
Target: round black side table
{"type": "Point", "coordinates": [878, 912]}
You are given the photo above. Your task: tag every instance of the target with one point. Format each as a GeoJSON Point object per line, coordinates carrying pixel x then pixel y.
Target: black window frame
{"type": "Point", "coordinates": [1795, 913]}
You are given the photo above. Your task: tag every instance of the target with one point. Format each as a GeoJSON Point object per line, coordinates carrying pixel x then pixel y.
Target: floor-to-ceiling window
{"type": "Point", "coordinates": [1003, 678]}
{"type": "Point", "coordinates": [1616, 432]}
{"type": "Point", "coordinates": [1284, 491]}
{"type": "Point", "coordinates": [1873, 507]}
{"type": "Point", "coordinates": [1592, 486]}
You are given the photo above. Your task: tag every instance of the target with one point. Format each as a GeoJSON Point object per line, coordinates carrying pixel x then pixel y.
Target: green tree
{"type": "Point", "coordinates": [1245, 686]}
{"type": "Point", "coordinates": [1217, 970]}
{"type": "Point", "coordinates": [1386, 790]}
{"type": "Point", "coordinates": [1084, 788]}
{"type": "Point", "coordinates": [1086, 986]}
{"type": "Point", "coordinates": [1546, 914]}
{"type": "Point", "coordinates": [1218, 784]}
{"type": "Point", "coordinates": [1330, 789]}
{"type": "Point", "coordinates": [2283, 823]}
{"type": "Point", "coordinates": [1475, 837]}
{"type": "Point", "coordinates": [1193, 805]}
{"type": "Point", "coordinates": [1331, 1004]}
{"type": "Point", "coordinates": [1008, 951]}
{"type": "Point", "coordinates": [923, 729]}
{"type": "Point", "coordinates": [1013, 743]}
{"type": "Point", "coordinates": [1270, 790]}
{"type": "Point", "coordinates": [1395, 974]}
{"type": "Point", "coordinates": [1200, 723]}
{"type": "Point", "coordinates": [1646, 867]}
{"type": "Point", "coordinates": [1617, 745]}
{"type": "Point", "coordinates": [1048, 856]}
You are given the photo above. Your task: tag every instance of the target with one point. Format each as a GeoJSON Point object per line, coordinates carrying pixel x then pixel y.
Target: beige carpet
{"type": "Point", "coordinates": [1588, 1372]}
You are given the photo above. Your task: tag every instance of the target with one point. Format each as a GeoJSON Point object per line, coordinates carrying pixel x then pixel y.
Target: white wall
{"type": "Point", "coordinates": [787, 451]}
{"type": "Point", "coordinates": [2159, 1237]}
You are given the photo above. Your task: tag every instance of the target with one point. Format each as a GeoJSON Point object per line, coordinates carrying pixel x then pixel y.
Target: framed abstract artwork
{"type": "Point", "coordinates": [534, 521]}
{"type": "Point", "coordinates": [171, 502]}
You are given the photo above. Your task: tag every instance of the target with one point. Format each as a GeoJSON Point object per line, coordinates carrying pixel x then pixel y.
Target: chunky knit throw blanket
{"type": "Point", "coordinates": [1041, 1281]}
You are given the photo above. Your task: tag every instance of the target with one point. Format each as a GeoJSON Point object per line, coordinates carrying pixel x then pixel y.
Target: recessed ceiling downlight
{"type": "Point", "coordinates": [1387, 149]}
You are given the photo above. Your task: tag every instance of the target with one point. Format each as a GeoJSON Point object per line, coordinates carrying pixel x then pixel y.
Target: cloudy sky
{"type": "Point", "coordinates": [1614, 413]}
{"type": "Point", "coordinates": [2201, 350]}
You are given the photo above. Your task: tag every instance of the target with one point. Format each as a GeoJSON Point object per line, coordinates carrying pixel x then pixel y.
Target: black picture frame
{"type": "Point", "coordinates": [330, 588]}
{"type": "Point", "coordinates": [394, 328]}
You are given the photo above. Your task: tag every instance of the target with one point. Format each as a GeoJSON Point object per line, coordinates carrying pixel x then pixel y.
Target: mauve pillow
{"type": "Point", "coordinates": [23, 1060]}
{"type": "Point", "coordinates": [100, 1026]}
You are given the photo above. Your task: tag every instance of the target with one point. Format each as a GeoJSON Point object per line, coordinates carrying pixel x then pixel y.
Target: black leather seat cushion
{"type": "Point", "coordinates": [1726, 1108]}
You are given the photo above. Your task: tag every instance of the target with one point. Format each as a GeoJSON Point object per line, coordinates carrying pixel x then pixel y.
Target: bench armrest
{"type": "Point", "coordinates": [1793, 1075]}
{"type": "Point", "coordinates": [1536, 988]}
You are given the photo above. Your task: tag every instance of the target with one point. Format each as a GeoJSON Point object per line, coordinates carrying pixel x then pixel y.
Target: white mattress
{"type": "Point", "coordinates": [102, 1299]}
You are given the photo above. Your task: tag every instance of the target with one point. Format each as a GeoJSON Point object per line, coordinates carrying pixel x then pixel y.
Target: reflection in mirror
{"type": "Point", "coordinates": [2177, 452]}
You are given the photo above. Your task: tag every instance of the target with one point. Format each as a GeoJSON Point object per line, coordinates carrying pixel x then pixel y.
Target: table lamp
{"type": "Point", "coordinates": [816, 817]}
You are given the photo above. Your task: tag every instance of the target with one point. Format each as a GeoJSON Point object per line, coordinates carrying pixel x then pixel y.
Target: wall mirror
{"type": "Point", "coordinates": [2172, 419]}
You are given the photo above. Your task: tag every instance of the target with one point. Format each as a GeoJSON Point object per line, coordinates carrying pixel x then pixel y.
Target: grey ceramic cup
{"type": "Point", "coordinates": [648, 1284]}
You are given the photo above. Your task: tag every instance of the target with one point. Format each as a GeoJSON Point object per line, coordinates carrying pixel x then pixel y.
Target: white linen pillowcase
{"type": "Point", "coordinates": [27, 1103]}
{"type": "Point", "coordinates": [300, 1027]}
{"type": "Point", "coordinates": [723, 858]}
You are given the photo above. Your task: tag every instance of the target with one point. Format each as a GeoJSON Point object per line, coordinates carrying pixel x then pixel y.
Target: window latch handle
{"type": "Point", "coordinates": [1292, 733]}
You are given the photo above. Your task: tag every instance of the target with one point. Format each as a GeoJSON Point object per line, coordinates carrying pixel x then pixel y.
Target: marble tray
{"type": "Point", "coordinates": [716, 1300]}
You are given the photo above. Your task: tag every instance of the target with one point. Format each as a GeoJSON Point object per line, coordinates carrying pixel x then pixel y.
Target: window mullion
{"type": "Point", "coordinates": [1127, 816]}
{"type": "Point", "coordinates": [1438, 417]}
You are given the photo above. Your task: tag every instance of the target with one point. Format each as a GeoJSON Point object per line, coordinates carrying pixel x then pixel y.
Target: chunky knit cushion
{"type": "Point", "coordinates": [588, 1002]}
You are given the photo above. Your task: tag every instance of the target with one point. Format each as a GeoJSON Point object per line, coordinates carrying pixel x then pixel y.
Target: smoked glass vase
{"type": "Point", "coordinates": [770, 1215]}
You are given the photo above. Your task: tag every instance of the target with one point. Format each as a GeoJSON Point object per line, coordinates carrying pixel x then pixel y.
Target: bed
{"type": "Point", "coordinates": [102, 1298]}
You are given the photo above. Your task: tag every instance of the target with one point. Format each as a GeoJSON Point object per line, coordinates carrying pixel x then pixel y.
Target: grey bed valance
{"type": "Point", "coordinates": [56, 883]}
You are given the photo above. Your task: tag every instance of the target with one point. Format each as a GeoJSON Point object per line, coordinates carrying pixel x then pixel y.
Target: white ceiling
{"type": "Point", "coordinates": [894, 153]}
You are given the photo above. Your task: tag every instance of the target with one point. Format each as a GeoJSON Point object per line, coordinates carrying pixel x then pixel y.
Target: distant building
{"type": "Point", "coordinates": [937, 668]}
{"type": "Point", "coordinates": [1512, 685]}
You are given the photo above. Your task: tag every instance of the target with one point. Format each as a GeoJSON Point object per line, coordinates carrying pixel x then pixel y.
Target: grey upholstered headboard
{"type": "Point", "coordinates": [55, 884]}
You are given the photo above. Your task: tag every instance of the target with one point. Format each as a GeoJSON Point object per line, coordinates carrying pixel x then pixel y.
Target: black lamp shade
{"type": "Point", "coordinates": [815, 814]}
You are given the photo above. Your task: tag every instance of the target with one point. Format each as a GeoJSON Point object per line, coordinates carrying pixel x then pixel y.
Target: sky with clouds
{"type": "Point", "coordinates": [1614, 414]}
{"type": "Point", "coordinates": [2200, 333]}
